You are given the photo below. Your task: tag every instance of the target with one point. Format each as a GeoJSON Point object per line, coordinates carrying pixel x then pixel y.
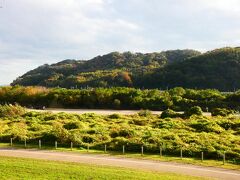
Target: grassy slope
{"type": "Point", "coordinates": [19, 168]}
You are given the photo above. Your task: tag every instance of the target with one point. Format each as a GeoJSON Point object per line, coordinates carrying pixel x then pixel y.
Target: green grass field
{"type": "Point", "coordinates": [19, 168]}
{"type": "Point", "coordinates": [194, 161]}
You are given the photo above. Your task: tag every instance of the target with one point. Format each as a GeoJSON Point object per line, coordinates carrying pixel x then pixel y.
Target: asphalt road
{"type": "Point", "coordinates": [150, 165]}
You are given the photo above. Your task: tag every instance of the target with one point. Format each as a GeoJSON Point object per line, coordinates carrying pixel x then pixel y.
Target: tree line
{"type": "Point", "coordinates": [178, 99]}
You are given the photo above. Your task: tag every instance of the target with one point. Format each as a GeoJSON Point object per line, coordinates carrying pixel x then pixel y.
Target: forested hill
{"type": "Point", "coordinates": [219, 69]}
{"type": "Point", "coordinates": [113, 69]}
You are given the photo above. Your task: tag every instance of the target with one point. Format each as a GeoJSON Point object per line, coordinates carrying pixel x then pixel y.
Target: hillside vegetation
{"type": "Point", "coordinates": [113, 69]}
{"type": "Point", "coordinates": [193, 134]}
{"type": "Point", "coordinates": [218, 69]}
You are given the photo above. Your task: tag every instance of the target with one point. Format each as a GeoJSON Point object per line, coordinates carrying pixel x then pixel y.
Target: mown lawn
{"type": "Point", "coordinates": [20, 168]}
{"type": "Point", "coordinates": [150, 156]}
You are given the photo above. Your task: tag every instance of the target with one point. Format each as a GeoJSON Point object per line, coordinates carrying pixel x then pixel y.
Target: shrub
{"type": "Point", "coordinates": [50, 116]}
{"type": "Point", "coordinates": [91, 131]}
{"type": "Point", "coordinates": [88, 139]}
{"type": "Point", "coordinates": [170, 114]}
{"type": "Point", "coordinates": [205, 125]}
{"type": "Point", "coordinates": [167, 123]}
{"type": "Point", "coordinates": [11, 110]}
{"type": "Point", "coordinates": [72, 125]}
{"type": "Point", "coordinates": [139, 122]}
{"type": "Point", "coordinates": [126, 133]}
{"type": "Point", "coordinates": [32, 114]}
{"type": "Point", "coordinates": [195, 134]}
{"type": "Point", "coordinates": [19, 130]}
{"type": "Point", "coordinates": [221, 112]}
{"type": "Point", "coordinates": [195, 110]}
{"type": "Point", "coordinates": [61, 134]}
{"type": "Point", "coordinates": [145, 113]}
{"type": "Point", "coordinates": [115, 116]}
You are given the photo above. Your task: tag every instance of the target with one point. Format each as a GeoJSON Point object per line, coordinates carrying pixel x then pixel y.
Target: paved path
{"type": "Point", "coordinates": [100, 111]}
{"type": "Point", "coordinates": [151, 165]}
{"type": "Point", "coordinates": [96, 111]}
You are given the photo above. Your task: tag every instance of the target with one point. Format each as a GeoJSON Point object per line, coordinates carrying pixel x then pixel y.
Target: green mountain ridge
{"type": "Point", "coordinates": [218, 69]}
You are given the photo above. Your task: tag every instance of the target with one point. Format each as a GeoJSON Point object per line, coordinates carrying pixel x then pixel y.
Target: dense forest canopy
{"type": "Point", "coordinates": [113, 69]}
{"type": "Point", "coordinates": [217, 69]}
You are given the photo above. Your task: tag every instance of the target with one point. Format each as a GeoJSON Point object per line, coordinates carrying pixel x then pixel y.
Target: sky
{"type": "Point", "coordinates": [37, 32]}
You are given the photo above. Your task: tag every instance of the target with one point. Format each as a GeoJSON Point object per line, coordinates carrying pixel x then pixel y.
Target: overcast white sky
{"type": "Point", "coordinates": [34, 32]}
